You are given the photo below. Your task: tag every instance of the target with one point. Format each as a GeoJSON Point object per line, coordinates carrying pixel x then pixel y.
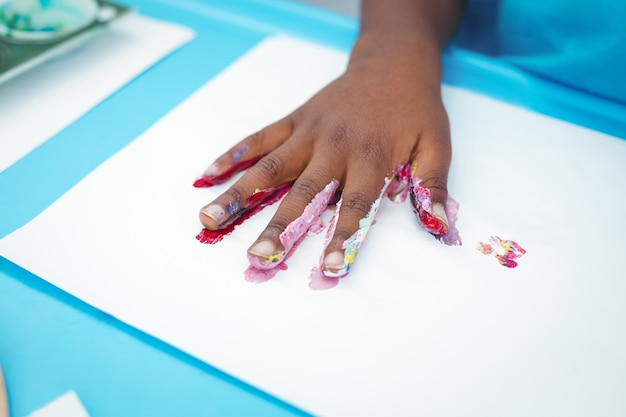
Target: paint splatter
{"type": "Point", "coordinates": [504, 251]}
{"type": "Point", "coordinates": [294, 233]}
{"type": "Point", "coordinates": [209, 181]}
{"type": "Point", "coordinates": [233, 208]}
{"type": "Point", "coordinates": [238, 153]}
{"type": "Point", "coordinates": [255, 203]}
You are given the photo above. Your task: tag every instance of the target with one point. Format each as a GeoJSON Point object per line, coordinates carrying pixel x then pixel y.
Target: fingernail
{"type": "Point", "coordinates": [334, 264]}
{"type": "Point", "coordinates": [214, 212]}
{"type": "Point", "coordinates": [439, 211]}
{"type": "Point", "coordinates": [211, 171]}
{"type": "Point", "coordinates": [264, 249]}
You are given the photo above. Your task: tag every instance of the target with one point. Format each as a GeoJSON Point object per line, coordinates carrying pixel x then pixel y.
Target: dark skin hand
{"type": "Point", "coordinates": [383, 112]}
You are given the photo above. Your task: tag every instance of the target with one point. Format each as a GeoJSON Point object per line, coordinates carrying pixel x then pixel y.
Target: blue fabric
{"type": "Point", "coordinates": [577, 42]}
{"type": "Point", "coordinates": [580, 43]}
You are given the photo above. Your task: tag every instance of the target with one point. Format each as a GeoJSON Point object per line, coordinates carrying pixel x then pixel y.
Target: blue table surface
{"type": "Point", "coordinates": [51, 342]}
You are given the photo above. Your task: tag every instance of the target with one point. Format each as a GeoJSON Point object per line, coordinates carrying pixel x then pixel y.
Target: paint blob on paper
{"type": "Point", "coordinates": [319, 281]}
{"type": "Point", "coordinates": [257, 275]}
{"type": "Point", "coordinates": [506, 252]}
{"type": "Point", "coordinates": [237, 215]}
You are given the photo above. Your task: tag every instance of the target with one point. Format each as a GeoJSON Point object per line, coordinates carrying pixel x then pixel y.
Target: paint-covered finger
{"type": "Point", "coordinates": [429, 183]}
{"type": "Point", "coordinates": [435, 209]}
{"type": "Point", "coordinates": [246, 153]}
{"type": "Point", "coordinates": [437, 218]}
{"type": "Point", "coordinates": [271, 171]}
{"type": "Point", "coordinates": [349, 227]}
{"type": "Point", "coordinates": [432, 215]}
{"type": "Point", "coordinates": [298, 214]}
{"type": "Point", "coordinates": [255, 203]}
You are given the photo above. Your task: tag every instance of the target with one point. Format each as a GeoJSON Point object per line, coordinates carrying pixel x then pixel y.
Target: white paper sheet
{"type": "Point", "coordinates": [67, 405]}
{"type": "Point", "coordinates": [39, 103]}
{"type": "Point", "coordinates": [417, 328]}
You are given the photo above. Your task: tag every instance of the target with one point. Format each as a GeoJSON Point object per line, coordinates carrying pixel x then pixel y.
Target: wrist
{"type": "Point", "coordinates": [402, 52]}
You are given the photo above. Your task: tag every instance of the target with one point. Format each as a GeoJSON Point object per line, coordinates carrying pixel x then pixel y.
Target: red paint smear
{"type": "Point", "coordinates": [504, 261]}
{"type": "Point", "coordinates": [212, 236]}
{"type": "Point", "coordinates": [431, 223]}
{"type": "Point", "coordinates": [206, 182]}
{"type": "Point", "coordinates": [256, 202]}
{"type": "Point", "coordinates": [268, 196]}
{"type": "Point", "coordinates": [201, 183]}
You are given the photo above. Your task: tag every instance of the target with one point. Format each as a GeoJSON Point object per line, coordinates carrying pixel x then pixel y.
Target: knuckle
{"type": "Point", "coordinates": [306, 188]}
{"type": "Point", "coordinates": [275, 227]}
{"type": "Point", "coordinates": [313, 128]}
{"type": "Point", "coordinates": [340, 236]}
{"type": "Point", "coordinates": [233, 194]}
{"type": "Point", "coordinates": [437, 181]}
{"type": "Point", "coordinates": [373, 148]}
{"type": "Point", "coordinates": [438, 139]}
{"type": "Point", "coordinates": [271, 166]}
{"type": "Point", "coordinates": [297, 116]}
{"type": "Point", "coordinates": [357, 203]}
{"type": "Point", "coordinates": [339, 135]}
{"type": "Point", "coordinates": [257, 138]}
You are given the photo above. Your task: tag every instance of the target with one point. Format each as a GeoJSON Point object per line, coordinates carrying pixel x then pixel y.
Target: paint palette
{"type": "Point", "coordinates": [31, 33]}
{"type": "Point", "coordinates": [25, 21]}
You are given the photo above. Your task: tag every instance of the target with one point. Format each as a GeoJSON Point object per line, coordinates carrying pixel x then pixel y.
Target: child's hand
{"type": "Point", "coordinates": [385, 111]}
